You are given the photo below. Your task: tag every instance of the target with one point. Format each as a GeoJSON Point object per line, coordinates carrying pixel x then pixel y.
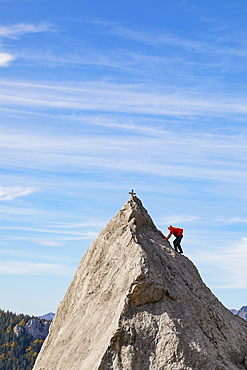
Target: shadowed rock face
{"type": "Point", "coordinates": [242, 312]}
{"type": "Point", "coordinates": [136, 304]}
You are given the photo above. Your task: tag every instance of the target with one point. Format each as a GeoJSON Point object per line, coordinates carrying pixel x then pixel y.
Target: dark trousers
{"type": "Point", "coordinates": [176, 243]}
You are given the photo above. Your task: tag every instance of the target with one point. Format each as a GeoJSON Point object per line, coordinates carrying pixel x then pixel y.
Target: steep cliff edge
{"type": "Point", "coordinates": [136, 304]}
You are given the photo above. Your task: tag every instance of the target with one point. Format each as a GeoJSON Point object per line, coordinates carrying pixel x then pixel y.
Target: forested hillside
{"type": "Point", "coordinates": [19, 344]}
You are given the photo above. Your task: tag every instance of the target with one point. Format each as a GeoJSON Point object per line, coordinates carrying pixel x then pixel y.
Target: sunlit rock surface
{"type": "Point", "coordinates": [135, 303]}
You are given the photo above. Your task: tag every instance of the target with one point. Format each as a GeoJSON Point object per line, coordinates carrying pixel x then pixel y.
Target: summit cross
{"type": "Point", "coordinates": [132, 193]}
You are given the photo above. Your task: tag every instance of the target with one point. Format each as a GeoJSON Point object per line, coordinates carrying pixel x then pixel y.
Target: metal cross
{"type": "Point", "coordinates": [132, 193]}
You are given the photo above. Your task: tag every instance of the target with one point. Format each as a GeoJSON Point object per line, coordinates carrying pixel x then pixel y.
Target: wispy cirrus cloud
{"type": "Point", "coordinates": [15, 31]}
{"type": "Point", "coordinates": [10, 193]}
{"type": "Point", "coordinates": [174, 219]}
{"type": "Point", "coordinates": [86, 235]}
{"type": "Point", "coordinates": [33, 268]}
{"type": "Point", "coordinates": [230, 262]}
{"type": "Point", "coordinates": [19, 29]}
{"type": "Point", "coordinates": [28, 255]}
{"type": "Point", "coordinates": [237, 220]}
{"type": "Point", "coordinates": [121, 98]}
{"type": "Point", "coordinates": [198, 155]}
{"type": "Point", "coordinates": [158, 39]}
{"type": "Point", "coordinates": [88, 223]}
{"type": "Point", "coordinates": [47, 243]}
{"type": "Point", "coordinates": [216, 43]}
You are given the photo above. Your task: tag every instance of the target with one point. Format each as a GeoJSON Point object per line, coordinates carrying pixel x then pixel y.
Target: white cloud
{"type": "Point", "coordinates": [88, 223]}
{"type": "Point", "coordinates": [6, 59]}
{"type": "Point", "coordinates": [175, 219]}
{"type": "Point", "coordinates": [34, 256]}
{"type": "Point", "coordinates": [214, 45]}
{"type": "Point", "coordinates": [86, 235]}
{"type": "Point", "coordinates": [18, 211]}
{"type": "Point", "coordinates": [122, 98]}
{"type": "Point", "coordinates": [206, 156]}
{"type": "Point", "coordinates": [228, 265]}
{"type": "Point", "coordinates": [237, 220]}
{"type": "Point", "coordinates": [10, 193]}
{"type": "Point", "coordinates": [47, 243]}
{"type": "Point", "coordinates": [24, 28]}
{"type": "Point", "coordinates": [32, 268]}
{"type": "Point", "coordinates": [159, 39]}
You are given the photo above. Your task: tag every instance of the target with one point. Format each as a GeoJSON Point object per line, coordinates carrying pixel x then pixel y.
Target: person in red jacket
{"type": "Point", "coordinates": [178, 233]}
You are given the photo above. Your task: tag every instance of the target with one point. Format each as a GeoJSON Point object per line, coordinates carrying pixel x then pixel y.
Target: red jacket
{"type": "Point", "coordinates": [176, 231]}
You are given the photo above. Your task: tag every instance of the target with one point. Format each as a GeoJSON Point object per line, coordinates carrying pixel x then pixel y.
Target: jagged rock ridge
{"type": "Point", "coordinates": [36, 328]}
{"type": "Point", "coordinates": [136, 304]}
{"type": "Point", "coordinates": [48, 316]}
{"type": "Point", "coordinates": [242, 312]}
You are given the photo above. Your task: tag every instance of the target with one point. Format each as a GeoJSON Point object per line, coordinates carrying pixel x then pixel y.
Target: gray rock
{"type": "Point", "coordinates": [243, 312]}
{"type": "Point", "coordinates": [38, 329]}
{"type": "Point", "coordinates": [18, 330]}
{"type": "Point", "coordinates": [136, 304]}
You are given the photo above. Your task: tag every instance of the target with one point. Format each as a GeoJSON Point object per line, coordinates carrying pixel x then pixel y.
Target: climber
{"type": "Point", "coordinates": [178, 233]}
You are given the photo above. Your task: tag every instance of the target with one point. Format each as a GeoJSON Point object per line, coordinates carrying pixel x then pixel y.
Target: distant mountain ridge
{"type": "Point", "coordinates": [242, 312]}
{"type": "Point", "coordinates": [48, 316]}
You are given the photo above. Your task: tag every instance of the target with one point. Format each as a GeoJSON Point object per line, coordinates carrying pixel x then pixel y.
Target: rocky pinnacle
{"type": "Point", "coordinates": [136, 304]}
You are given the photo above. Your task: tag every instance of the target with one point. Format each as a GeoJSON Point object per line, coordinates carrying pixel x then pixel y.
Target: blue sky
{"type": "Point", "coordinates": [98, 98]}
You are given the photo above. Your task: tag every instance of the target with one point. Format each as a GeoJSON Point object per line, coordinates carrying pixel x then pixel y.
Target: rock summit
{"type": "Point", "coordinates": [136, 304]}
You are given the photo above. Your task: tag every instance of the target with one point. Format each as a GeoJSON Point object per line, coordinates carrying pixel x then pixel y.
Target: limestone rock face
{"type": "Point", "coordinates": [136, 304]}
{"type": "Point", "coordinates": [37, 328]}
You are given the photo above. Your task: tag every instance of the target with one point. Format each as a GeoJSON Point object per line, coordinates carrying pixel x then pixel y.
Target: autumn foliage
{"type": "Point", "coordinates": [16, 352]}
